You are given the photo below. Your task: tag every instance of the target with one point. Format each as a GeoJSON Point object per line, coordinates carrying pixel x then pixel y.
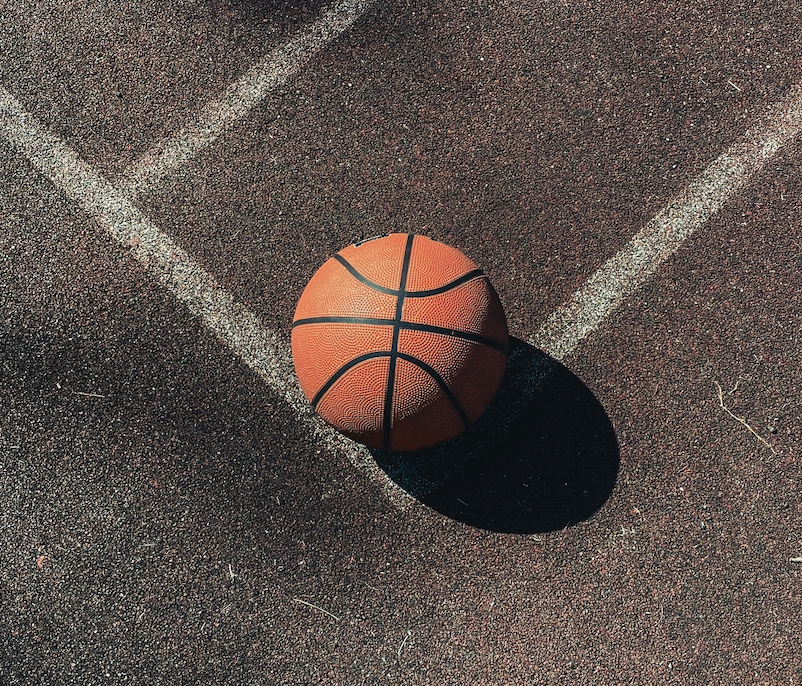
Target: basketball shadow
{"type": "Point", "coordinates": [543, 456]}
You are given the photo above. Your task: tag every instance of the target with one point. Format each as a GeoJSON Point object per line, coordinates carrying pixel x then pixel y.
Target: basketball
{"type": "Point", "coordinates": [399, 342]}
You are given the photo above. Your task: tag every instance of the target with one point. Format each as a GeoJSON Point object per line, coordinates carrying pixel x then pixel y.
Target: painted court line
{"type": "Point", "coordinates": [267, 352]}
{"type": "Point", "coordinates": [634, 264]}
{"type": "Point", "coordinates": [283, 64]}
{"type": "Point", "coordinates": [263, 350]}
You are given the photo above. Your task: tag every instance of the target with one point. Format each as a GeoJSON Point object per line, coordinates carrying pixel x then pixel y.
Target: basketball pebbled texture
{"type": "Point", "coordinates": [399, 342]}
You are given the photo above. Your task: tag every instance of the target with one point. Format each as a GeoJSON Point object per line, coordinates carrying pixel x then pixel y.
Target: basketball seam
{"type": "Point", "coordinates": [428, 369]}
{"type": "Point", "coordinates": [339, 373]}
{"type": "Point", "coordinates": [452, 397]}
{"type": "Point", "coordinates": [365, 281]}
{"type": "Point", "coordinates": [408, 326]}
{"type": "Point", "coordinates": [387, 427]}
{"type": "Point", "coordinates": [468, 276]}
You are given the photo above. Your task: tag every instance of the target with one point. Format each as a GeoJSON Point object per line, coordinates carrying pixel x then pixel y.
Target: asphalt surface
{"type": "Point", "coordinates": [164, 515]}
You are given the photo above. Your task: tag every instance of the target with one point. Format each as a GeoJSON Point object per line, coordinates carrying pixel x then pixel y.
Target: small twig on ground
{"type": "Point", "coordinates": [796, 559]}
{"type": "Point", "coordinates": [88, 395]}
{"type": "Point", "coordinates": [738, 419]}
{"type": "Point", "coordinates": [404, 642]}
{"type": "Point", "coordinates": [315, 607]}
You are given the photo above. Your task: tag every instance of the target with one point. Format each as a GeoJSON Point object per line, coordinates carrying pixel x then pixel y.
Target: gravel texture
{"type": "Point", "coordinates": [165, 518]}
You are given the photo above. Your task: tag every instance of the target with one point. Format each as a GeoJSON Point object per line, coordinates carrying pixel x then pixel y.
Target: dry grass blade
{"type": "Point", "coordinates": [738, 419]}
{"type": "Point", "coordinates": [315, 607]}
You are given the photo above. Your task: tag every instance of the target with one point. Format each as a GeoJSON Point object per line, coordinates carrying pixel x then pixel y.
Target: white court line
{"type": "Point", "coordinates": [263, 350]}
{"type": "Point", "coordinates": [634, 264]}
{"type": "Point", "coordinates": [267, 352]}
{"type": "Point", "coordinates": [283, 64]}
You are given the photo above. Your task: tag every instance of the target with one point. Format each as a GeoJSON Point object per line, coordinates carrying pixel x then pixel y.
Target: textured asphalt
{"type": "Point", "coordinates": [165, 517]}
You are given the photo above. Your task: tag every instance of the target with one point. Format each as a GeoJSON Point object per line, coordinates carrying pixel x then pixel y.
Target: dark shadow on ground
{"type": "Point", "coordinates": [544, 456]}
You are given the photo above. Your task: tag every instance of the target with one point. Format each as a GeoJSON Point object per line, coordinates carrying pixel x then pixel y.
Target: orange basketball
{"type": "Point", "coordinates": [399, 342]}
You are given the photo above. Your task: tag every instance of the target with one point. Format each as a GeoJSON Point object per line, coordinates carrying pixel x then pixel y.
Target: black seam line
{"type": "Point", "coordinates": [469, 276]}
{"type": "Point", "coordinates": [454, 333]}
{"type": "Point", "coordinates": [407, 326]}
{"type": "Point", "coordinates": [341, 371]}
{"type": "Point", "coordinates": [409, 358]}
{"type": "Point", "coordinates": [431, 371]}
{"type": "Point", "coordinates": [335, 319]}
{"type": "Point", "coordinates": [399, 311]}
{"type": "Point", "coordinates": [364, 280]}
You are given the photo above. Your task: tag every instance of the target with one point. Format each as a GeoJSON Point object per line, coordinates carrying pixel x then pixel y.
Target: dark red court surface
{"type": "Point", "coordinates": [166, 517]}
